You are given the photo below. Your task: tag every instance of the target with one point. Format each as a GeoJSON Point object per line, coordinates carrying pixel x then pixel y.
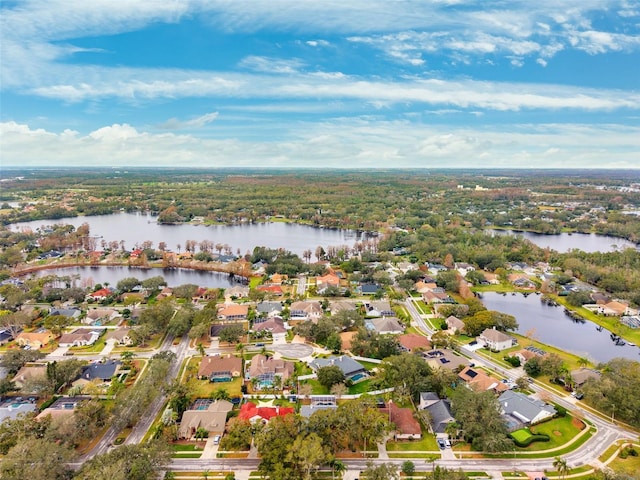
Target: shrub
{"type": "Point", "coordinates": [523, 437]}
{"type": "Point", "coordinates": [560, 411]}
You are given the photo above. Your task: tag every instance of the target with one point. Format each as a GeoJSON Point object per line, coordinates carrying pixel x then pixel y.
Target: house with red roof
{"type": "Point", "coordinates": [233, 312]}
{"type": "Point", "coordinates": [250, 411]}
{"type": "Point", "coordinates": [101, 294]}
{"type": "Point", "coordinates": [272, 289]}
{"type": "Point", "coordinates": [406, 426]}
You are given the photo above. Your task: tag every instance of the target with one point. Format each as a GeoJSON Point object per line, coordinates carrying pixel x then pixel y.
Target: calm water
{"type": "Point", "coordinates": [89, 276]}
{"type": "Point", "coordinates": [135, 228]}
{"type": "Point", "coordinates": [563, 242]}
{"type": "Point", "coordinates": [553, 327]}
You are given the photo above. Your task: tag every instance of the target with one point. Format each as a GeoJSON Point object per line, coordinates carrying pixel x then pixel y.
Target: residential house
{"type": "Point", "coordinates": [318, 402]}
{"type": "Point", "coordinates": [28, 373]}
{"type": "Point", "coordinates": [98, 316]}
{"type": "Point", "coordinates": [250, 411]}
{"type": "Point", "coordinates": [480, 381]}
{"type": "Point", "coordinates": [368, 288]}
{"type": "Point", "coordinates": [278, 278]}
{"type": "Point", "coordinates": [80, 337]}
{"type": "Point", "coordinates": [385, 325]}
{"type": "Point", "coordinates": [11, 408]}
{"type": "Point", "coordinates": [166, 292]}
{"type": "Point", "coordinates": [437, 296]}
{"type": "Point", "coordinates": [71, 313]}
{"type": "Point", "coordinates": [220, 368]}
{"type": "Point", "coordinates": [454, 324]}
{"type": "Point", "coordinates": [380, 308]}
{"type": "Point", "coordinates": [101, 294]}
{"type": "Point", "coordinates": [62, 407]}
{"type": "Point", "coordinates": [406, 426]}
{"type": "Point", "coordinates": [423, 287]}
{"type": "Point", "coordinates": [233, 312]}
{"type": "Point", "coordinates": [327, 281]}
{"type": "Point", "coordinates": [412, 342]}
{"type": "Point", "coordinates": [275, 325]}
{"type": "Point", "coordinates": [119, 336]}
{"type": "Point", "coordinates": [521, 410]}
{"type": "Point", "coordinates": [237, 291]}
{"type": "Point", "coordinates": [265, 369]}
{"type": "Point", "coordinates": [616, 308]}
{"type": "Point", "coordinates": [525, 355]}
{"type": "Point", "coordinates": [492, 278]}
{"type": "Point", "coordinates": [495, 339]}
{"type": "Point", "coordinates": [36, 340]}
{"type": "Point", "coordinates": [275, 290]}
{"type": "Point", "coordinates": [213, 418]}
{"type": "Point", "coordinates": [581, 375]}
{"type": "Point", "coordinates": [443, 358]}
{"type": "Point", "coordinates": [337, 306]}
{"type": "Point", "coordinates": [464, 268]}
{"type": "Point", "coordinates": [439, 411]}
{"type": "Point", "coordinates": [100, 371]}
{"type": "Point", "coordinates": [350, 368]}
{"type": "Point", "coordinates": [5, 336]}
{"type": "Point", "coordinates": [269, 309]}
{"type": "Point", "coordinates": [307, 310]}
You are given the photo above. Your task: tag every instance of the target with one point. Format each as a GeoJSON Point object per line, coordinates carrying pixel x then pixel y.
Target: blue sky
{"type": "Point", "coordinates": [373, 83]}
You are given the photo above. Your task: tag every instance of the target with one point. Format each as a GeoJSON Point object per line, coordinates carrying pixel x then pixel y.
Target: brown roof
{"type": "Point", "coordinates": [480, 381]}
{"type": "Point", "coordinates": [273, 324]}
{"type": "Point", "coordinates": [260, 364]}
{"type": "Point", "coordinates": [413, 341]}
{"type": "Point", "coordinates": [618, 307]}
{"type": "Point", "coordinates": [583, 374]}
{"type": "Point", "coordinates": [215, 364]}
{"type": "Point", "coordinates": [233, 310]}
{"type": "Point", "coordinates": [403, 419]}
{"type": "Point", "coordinates": [495, 335]}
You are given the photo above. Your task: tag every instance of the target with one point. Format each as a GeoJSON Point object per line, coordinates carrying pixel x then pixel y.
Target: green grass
{"type": "Point", "coordinates": [360, 387]}
{"type": "Point", "coordinates": [426, 444]}
{"type": "Point", "coordinates": [186, 447]}
{"type": "Point", "coordinates": [521, 435]}
{"type": "Point", "coordinates": [560, 430]}
{"type": "Point", "coordinates": [629, 466]}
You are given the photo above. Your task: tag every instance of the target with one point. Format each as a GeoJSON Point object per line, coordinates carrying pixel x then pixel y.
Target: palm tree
{"type": "Point", "coordinates": [560, 464]}
{"type": "Point", "coordinates": [337, 466]}
{"type": "Point", "coordinates": [583, 362]}
{"type": "Point", "coordinates": [200, 348]}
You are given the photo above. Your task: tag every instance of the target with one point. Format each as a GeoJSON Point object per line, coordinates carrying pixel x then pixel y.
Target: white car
{"type": "Point", "coordinates": [216, 440]}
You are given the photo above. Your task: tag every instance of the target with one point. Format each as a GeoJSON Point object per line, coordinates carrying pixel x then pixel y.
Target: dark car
{"type": "Point", "coordinates": [441, 443]}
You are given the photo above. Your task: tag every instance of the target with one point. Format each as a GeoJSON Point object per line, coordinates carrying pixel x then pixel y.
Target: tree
{"type": "Point", "coordinates": [408, 467]}
{"type": "Point", "coordinates": [154, 283]}
{"type": "Point", "coordinates": [127, 284]}
{"type": "Point", "coordinates": [330, 375]}
{"type": "Point", "coordinates": [14, 360]}
{"type": "Point", "coordinates": [128, 462]}
{"type": "Point", "coordinates": [408, 371]}
{"type": "Point", "coordinates": [36, 459]}
{"type": "Point", "coordinates": [307, 454]}
{"type": "Point", "coordinates": [239, 435]}
{"type": "Point", "coordinates": [231, 333]}
{"type": "Point", "coordinates": [201, 349]}
{"type": "Point", "coordinates": [14, 322]}
{"type": "Point", "coordinates": [334, 342]}
{"type": "Point", "coordinates": [384, 471]}
{"type": "Point", "coordinates": [560, 464]}
{"type": "Point", "coordinates": [56, 323]}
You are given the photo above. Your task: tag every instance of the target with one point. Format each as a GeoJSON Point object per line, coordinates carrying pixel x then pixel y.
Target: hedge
{"type": "Point", "coordinates": [538, 437]}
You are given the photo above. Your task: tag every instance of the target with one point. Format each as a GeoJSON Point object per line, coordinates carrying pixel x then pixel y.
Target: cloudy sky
{"type": "Point", "coordinates": [349, 83]}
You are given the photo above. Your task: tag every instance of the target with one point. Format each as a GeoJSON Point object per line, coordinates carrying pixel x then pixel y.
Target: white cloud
{"type": "Point", "coordinates": [272, 65]}
{"type": "Point", "coordinates": [340, 143]}
{"type": "Point", "coordinates": [317, 43]}
{"type": "Point", "coordinates": [199, 122]}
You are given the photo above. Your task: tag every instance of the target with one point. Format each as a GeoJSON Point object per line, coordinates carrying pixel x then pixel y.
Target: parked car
{"type": "Point", "coordinates": [441, 443]}
{"type": "Point", "coordinates": [447, 443]}
{"type": "Point", "coordinates": [216, 440]}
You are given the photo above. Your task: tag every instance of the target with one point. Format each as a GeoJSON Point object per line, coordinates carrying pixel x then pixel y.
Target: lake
{"type": "Point", "coordinates": [135, 228]}
{"type": "Point", "coordinates": [552, 327]}
{"type": "Point", "coordinates": [90, 276]}
{"type": "Point", "coordinates": [564, 242]}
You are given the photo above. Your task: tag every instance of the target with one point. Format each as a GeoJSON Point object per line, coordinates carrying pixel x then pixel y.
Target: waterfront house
{"type": "Point", "coordinates": [220, 368]}
{"type": "Point", "coordinates": [237, 291]}
{"type": "Point", "coordinates": [495, 339]}
{"type": "Point", "coordinates": [581, 375]}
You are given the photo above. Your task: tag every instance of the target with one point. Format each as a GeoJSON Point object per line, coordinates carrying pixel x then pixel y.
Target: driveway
{"type": "Point", "coordinates": [294, 350]}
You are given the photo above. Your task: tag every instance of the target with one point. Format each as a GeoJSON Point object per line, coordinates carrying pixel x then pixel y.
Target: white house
{"type": "Point", "coordinates": [495, 339]}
